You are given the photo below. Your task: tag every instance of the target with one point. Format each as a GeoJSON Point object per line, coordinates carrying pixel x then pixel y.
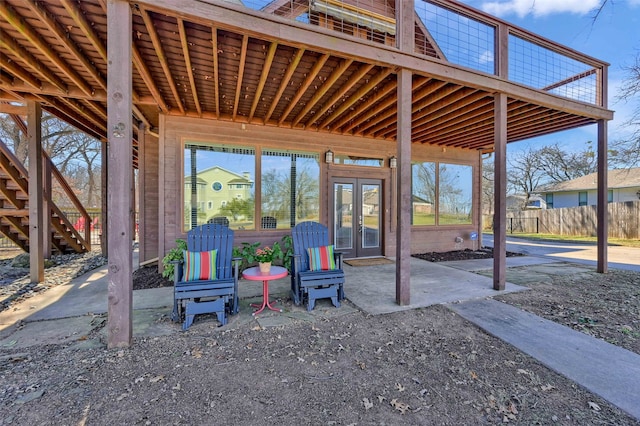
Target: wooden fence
{"type": "Point", "coordinates": [624, 221]}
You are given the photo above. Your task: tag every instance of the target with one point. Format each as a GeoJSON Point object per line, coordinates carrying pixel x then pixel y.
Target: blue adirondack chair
{"type": "Point", "coordinates": [219, 295]}
{"type": "Point", "coordinates": [306, 284]}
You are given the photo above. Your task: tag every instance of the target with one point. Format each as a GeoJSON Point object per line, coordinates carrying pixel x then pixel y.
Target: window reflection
{"type": "Point", "coordinates": [219, 186]}
{"type": "Point", "coordinates": [290, 188]}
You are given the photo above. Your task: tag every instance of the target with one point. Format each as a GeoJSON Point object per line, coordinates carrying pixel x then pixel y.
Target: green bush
{"type": "Point", "coordinates": [174, 254]}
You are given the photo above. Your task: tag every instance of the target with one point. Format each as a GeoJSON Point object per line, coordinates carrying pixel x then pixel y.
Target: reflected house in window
{"type": "Point", "coordinates": [216, 187]}
{"type": "Point", "coordinates": [421, 205]}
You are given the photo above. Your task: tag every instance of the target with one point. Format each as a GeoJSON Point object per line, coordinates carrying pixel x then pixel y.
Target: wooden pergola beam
{"type": "Point", "coordinates": [39, 43]}
{"type": "Point", "coordinates": [361, 115]}
{"type": "Point", "coordinates": [187, 60]}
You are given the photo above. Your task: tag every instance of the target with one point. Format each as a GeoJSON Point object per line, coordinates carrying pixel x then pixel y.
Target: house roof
{"type": "Point", "coordinates": [225, 61]}
{"type": "Point", "coordinates": [618, 178]}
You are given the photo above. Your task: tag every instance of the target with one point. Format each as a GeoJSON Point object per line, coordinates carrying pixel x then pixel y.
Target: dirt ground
{"type": "Point", "coordinates": [419, 367]}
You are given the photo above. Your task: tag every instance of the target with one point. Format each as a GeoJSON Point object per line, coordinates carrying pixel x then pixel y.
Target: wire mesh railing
{"type": "Point", "coordinates": [458, 34]}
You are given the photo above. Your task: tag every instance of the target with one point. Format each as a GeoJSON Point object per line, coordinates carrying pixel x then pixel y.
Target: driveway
{"type": "Point", "coordinates": [618, 257]}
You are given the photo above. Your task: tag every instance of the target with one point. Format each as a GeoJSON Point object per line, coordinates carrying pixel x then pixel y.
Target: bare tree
{"type": "Point", "coordinates": [524, 174]}
{"type": "Point", "coordinates": [560, 165]}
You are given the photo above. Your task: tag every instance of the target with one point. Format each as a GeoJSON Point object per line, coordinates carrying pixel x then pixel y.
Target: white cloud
{"type": "Point", "coordinates": [523, 8]}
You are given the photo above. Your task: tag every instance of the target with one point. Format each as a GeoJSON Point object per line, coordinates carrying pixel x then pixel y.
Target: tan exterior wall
{"type": "Point", "coordinates": [174, 131]}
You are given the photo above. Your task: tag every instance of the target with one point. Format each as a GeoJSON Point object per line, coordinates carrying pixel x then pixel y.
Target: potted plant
{"type": "Point", "coordinates": [251, 253]}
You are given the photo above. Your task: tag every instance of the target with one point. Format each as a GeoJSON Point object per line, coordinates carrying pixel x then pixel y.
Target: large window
{"type": "Point", "coordinates": [290, 191]}
{"type": "Point", "coordinates": [222, 177]}
{"type": "Point", "coordinates": [220, 185]}
{"type": "Point", "coordinates": [442, 194]}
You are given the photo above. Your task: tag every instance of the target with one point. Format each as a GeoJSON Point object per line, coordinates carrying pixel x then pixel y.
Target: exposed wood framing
{"type": "Point", "coordinates": [162, 58]}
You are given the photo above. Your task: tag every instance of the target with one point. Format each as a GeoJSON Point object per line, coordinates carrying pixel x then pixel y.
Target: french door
{"type": "Point", "coordinates": [357, 218]}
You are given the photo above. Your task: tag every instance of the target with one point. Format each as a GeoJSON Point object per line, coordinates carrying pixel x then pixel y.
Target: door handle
{"type": "Point", "coordinates": [360, 224]}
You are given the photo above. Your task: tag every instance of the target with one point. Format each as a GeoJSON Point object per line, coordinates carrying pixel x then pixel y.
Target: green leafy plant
{"type": "Point", "coordinates": [174, 254]}
{"type": "Point", "coordinates": [252, 253]}
{"type": "Point", "coordinates": [287, 258]}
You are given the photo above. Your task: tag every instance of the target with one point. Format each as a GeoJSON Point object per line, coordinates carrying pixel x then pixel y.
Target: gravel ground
{"type": "Point", "coordinates": [417, 367]}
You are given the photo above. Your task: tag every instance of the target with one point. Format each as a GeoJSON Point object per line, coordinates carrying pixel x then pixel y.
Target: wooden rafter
{"type": "Point", "coordinates": [86, 27]}
{"type": "Point", "coordinates": [361, 92]}
{"type": "Point", "coordinates": [216, 72]}
{"type": "Point", "coordinates": [8, 65]}
{"type": "Point", "coordinates": [326, 85]}
{"type": "Point", "coordinates": [355, 78]}
{"type": "Point", "coordinates": [56, 107]}
{"type": "Point", "coordinates": [187, 59]}
{"type": "Point", "coordinates": [8, 43]}
{"type": "Point", "coordinates": [162, 57]}
{"type": "Point", "coordinates": [83, 112]}
{"type": "Point", "coordinates": [284, 82]}
{"type": "Point", "coordinates": [268, 61]}
{"type": "Point", "coordinates": [39, 43]}
{"type": "Point", "coordinates": [481, 109]}
{"type": "Point", "coordinates": [140, 65]}
{"type": "Point", "coordinates": [96, 107]}
{"type": "Point", "coordinates": [375, 99]}
{"type": "Point", "coordinates": [66, 41]}
{"type": "Point", "coordinates": [241, 67]}
{"type": "Point", "coordinates": [389, 116]}
{"type": "Point", "coordinates": [311, 76]}
{"type": "Point", "coordinates": [462, 96]}
{"type": "Point", "coordinates": [365, 112]}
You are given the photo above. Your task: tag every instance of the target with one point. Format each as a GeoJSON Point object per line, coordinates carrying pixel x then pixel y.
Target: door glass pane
{"type": "Point", "coordinates": [343, 207]}
{"type": "Point", "coordinates": [370, 219]}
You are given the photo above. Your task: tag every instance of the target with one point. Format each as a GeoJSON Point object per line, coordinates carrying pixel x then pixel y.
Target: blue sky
{"type": "Point", "coordinates": [614, 37]}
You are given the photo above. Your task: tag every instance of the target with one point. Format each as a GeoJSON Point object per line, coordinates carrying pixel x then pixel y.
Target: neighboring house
{"type": "Point", "coordinates": [215, 187]}
{"type": "Point", "coordinates": [623, 184]}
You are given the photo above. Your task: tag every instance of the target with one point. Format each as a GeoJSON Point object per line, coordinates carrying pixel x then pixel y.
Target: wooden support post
{"type": "Point", "coordinates": [46, 207]}
{"type": "Point", "coordinates": [500, 193]}
{"type": "Point", "coordinates": [602, 199]}
{"type": "Point", "coordinates": [120, 134]}
{"type": "Point", "coordinates": [403, 235]}
{"type": "Point", "coordinates": [142, 181]}
{"type": "Point", "coordinates": [405, 25]}
{"type": "Point", "coordinates": [104, 216]}
{"type": "Point", "coordinates": [36, 210]}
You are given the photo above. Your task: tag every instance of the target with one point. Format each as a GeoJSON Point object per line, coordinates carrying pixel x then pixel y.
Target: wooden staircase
{"type": "Point", "coordinates": [14, 208]}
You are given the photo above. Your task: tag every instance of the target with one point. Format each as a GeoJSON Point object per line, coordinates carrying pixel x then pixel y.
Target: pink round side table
{"type": "Point", "coordinates": [254, 274]}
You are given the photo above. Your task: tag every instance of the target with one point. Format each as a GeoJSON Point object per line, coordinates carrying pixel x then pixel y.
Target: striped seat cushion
{"type": "Point", "coordinates": [321, 258]}
{"type": "Point", "coordinates": [199, 265]}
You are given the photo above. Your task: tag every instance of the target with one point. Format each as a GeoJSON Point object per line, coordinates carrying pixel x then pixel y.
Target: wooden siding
{"type": "Point", "coordinates": [175, 130]}
{"type": "Point", "coordinates": [148, 202]}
